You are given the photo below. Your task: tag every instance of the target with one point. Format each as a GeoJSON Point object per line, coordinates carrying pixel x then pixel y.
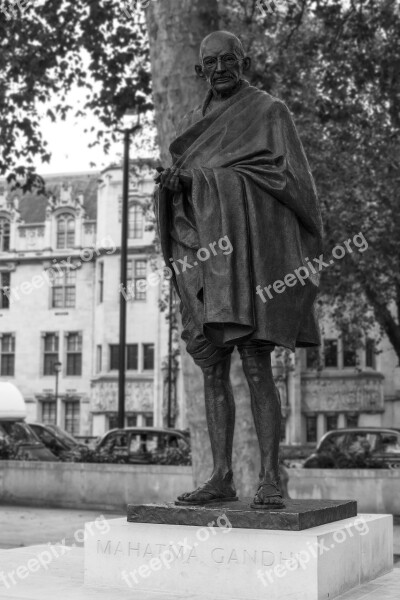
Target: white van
{"type": "Point", "coordinates": [14, 428]}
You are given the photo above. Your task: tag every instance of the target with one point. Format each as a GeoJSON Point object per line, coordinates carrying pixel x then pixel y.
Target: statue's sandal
{"type": "Point", "coordinates": [211, 493]}
{"type": "Point", "coordinates": [276, 493]}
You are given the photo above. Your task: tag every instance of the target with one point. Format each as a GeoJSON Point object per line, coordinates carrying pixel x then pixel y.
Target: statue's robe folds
{"type": "Point", "coordinates": [251, 183]}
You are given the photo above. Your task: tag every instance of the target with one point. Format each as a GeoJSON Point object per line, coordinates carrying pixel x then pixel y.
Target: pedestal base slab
{"type": "Point", "coordinates": [219, 561]}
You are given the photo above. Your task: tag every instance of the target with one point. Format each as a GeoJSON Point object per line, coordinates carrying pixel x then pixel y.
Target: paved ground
{"type": "Point", "coordinates": [27, 529]}
{"type": "Point", "coordinates": [20, 526]}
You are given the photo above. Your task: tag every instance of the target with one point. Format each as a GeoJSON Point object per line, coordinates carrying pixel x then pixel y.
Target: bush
{"type": "Point", "coordinates": [182, 455]}
{"type": "Point", "coordinates": [9, 449]}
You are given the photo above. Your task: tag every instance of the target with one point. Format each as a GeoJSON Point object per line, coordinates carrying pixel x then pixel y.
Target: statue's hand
{"type": "Point", "coordinates": [174, 179]}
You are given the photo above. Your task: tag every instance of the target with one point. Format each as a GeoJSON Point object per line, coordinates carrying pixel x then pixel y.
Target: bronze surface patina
{"type": "Point", "coordinates": [239, 173]}
{"type": "Point", "coordinates": [297, 515]}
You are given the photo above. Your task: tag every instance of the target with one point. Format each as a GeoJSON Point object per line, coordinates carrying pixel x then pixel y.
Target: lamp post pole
{"type": "Point", "coordinates": [123, 276]}
{"type": "Point", "coordinates": [57, 368]}
{"type": "Point", "coordinates": [169, 424]}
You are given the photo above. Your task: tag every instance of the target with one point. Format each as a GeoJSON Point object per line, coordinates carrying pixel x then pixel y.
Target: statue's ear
{"type": "Point", "coordinates": [246, 64]}
{"type": "Point", "coordinates": [199, 71]}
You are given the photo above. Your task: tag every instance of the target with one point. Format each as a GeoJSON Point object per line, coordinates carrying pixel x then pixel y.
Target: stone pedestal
{"type": "Point", "coordinates": [219, 561]}
{"type": "Point", "coordinates": [294, 516]}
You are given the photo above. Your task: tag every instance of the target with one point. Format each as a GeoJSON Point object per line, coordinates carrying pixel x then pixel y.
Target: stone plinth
{"type": "Point", "coordinates": [295, 516]}
{"type": "Point", "coordinates": [222, 562]}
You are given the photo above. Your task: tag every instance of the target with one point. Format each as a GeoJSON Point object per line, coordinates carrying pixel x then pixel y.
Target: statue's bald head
{"type": "Point", "coordinates": [221, 39]}
{"type": "Point", "coordinates": [223, 62]}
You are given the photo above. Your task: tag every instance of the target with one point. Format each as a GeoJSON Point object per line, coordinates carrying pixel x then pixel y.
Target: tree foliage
{"type": "Point", "coordinates": [337, 66]}
{"type": "Point", "coordinates": [48, 49]}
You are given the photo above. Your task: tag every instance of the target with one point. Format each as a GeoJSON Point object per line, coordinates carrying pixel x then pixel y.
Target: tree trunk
{"type": "Point", "coordinates": [175, 32]}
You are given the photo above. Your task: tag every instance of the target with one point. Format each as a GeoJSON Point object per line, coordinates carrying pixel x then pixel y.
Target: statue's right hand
{"type": "Point", "coordinates": [169, 179]}
{"type": "Point", "coordinates": [157, 178]}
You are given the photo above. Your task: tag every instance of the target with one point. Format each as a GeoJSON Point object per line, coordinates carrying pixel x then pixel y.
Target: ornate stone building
{"type": "Point", "coordinates": [59, 302]}
{"type": "Point", "coordinates": [339, 385]}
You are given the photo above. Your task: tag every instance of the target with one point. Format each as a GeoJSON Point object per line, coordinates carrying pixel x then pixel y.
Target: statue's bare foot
{"type": "Point", "coordinates": [268, 496]}
{"type": "Point", "coordinates": [213, 490]}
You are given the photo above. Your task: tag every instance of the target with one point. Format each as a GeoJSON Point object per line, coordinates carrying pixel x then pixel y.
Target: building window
{"type": "Point", "coordinates": [114, 356]}
{"type": "Point", "coordinates": [72, 417]}
{"type": "Point", "coordinates": [312, 357]}
{"type": "Point", "coordinates": [4, 235]}
{"type": "Point", "coordinates": [330, 353]}
{"type": "Point", "coordinates": [352, 420]}
{"type": "Point", "coordinates": [131, 357]}
{"type": "Point", "coordinates": [7, 355]}
{"type": "Point", "coordinates": [135, 222]}
{"type": "Point", "coordinates": [99, 358]}
{"type": "Point", "coordinates": [148, 357]}
{"type": "Point", "coordinates": [349, 357]}
{"type": "Point", "coordinates": [49, 412]}
{"type": "Point", "coordinates": [370, 354]}
{"type": "Point", "coordinates": [148, 420]}
{"type": "Point", "coordinates": [331, 422]}
{"type": "Point", "coordinates": [101, 282]}
{"type": "Point", "coordinates": [113, 421]}
{"type": "Point", "coordinates": [131, 421]}
{"type": "Point", "coordinates": [65, 231]}
{"type": "Point", "coordinates": [311, 428]}
{"type": "Point", "coordinates": [136, 278]}
{"type": "Point", "coordinates": [50, 353]}
{"type": "Point", "coordinates": [63, 289]}
{"type": "Point", "coordinates": [5, 290]}
{"type": "Point", "coordinates": [74, 354]}
{"type": "Point", "coordinates": [349, 352]}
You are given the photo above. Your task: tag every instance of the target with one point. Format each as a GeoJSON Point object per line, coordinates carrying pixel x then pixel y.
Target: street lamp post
{"type": "Point", "coordinates": [57, 368]}
{"type": "Point", "coordinates": [127, 130]}
{"type": "Point", "coordinates": [169, 419]}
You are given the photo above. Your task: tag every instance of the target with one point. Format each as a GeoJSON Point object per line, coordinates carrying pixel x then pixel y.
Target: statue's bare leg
{"type": "Point", "coordinates": [266, 409]}
{"type": "Point", "coordinates": [220, 412]}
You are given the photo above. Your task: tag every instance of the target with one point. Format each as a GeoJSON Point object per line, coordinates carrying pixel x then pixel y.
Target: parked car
{"type": "Point", "coordinates": [14, 432]}
{"type": "Point", "coordinates": [138, 444]}
{"type": "Point", "coordinates": [60, 442]}
{"type": "Point", "coordinates": [23, 437]}
{"type": "Point", "coordinates": [362, 446]}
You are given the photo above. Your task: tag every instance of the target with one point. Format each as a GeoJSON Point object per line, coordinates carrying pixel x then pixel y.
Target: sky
{"type": "Point", "coordinates": [69, 144]}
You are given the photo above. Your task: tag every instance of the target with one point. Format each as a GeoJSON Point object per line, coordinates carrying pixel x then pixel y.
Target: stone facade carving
{"type": "Point", "coordinates": [138, 397]}
{"type": "Point", "coordinates": [362, 393]}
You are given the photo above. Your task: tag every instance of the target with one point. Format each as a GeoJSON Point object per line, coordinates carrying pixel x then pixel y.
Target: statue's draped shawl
{"type": "Point", "coordinates": [251, 183]}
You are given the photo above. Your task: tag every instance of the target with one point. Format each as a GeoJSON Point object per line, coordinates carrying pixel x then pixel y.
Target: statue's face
{"type": "Point", "coordinates": [222, 63]}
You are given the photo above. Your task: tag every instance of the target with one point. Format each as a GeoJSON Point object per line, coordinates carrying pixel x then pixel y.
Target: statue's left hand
{"type": "Point", "coordinates": [174, 179]}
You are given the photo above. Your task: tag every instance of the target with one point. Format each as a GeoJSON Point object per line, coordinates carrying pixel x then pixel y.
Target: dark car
{"type": "Point", "coordinates": [373, 447]}
{"type": "Point", "coordinates": [25, 440]}
{"type": "Point", "coordinates": [60, 442]}
{"type": "Point", "coordinates": [138, 444]}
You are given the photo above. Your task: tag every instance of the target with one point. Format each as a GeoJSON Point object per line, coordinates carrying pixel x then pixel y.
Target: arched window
{"type": "Point", "coordinates": [4, 235]}
{"type": "Point", "coordinates": [135, 222]}
{"type": "Point", "coordinates": [65, 231]}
